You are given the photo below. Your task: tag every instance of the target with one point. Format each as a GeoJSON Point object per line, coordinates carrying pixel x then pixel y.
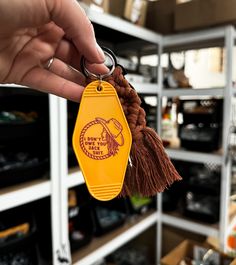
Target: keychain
{"type": "Point", "coordinates": [102, 138]}
{"type": "Point", "coordinates": [118, 154]}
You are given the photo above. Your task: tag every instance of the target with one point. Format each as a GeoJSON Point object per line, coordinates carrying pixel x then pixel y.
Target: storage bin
{"type": "Point", "coordinates": [18, 246]}
{"type": "Point", "coordinates": [108, 215]}
{"type": "Point", "coordinates": [81, 226]}
{"type": "Point", "coordinates": [23, 119]}
{"type": "Point", "coordinates": [20, 166]}
{"type": "Point", "coordinates": [200, 137]}
{"type": "Point", "coordinates": [206, 111]}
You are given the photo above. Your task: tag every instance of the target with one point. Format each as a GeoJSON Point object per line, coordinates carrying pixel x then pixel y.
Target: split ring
{"type": "Point", "coordinates": [112, 58]}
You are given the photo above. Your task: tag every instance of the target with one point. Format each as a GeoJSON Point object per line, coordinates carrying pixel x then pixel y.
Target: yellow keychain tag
{"type": "Point", "coordinates": [102, 140]}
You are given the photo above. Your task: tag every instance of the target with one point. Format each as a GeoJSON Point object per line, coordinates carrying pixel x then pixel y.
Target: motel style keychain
{"type": "Point", "coordinates": [118, 154]}
{"type": "Point", "coordinates": [102, 138]}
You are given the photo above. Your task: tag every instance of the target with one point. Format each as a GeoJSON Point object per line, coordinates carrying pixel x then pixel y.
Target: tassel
{"type": "Point", "coordinates": [149, 170]}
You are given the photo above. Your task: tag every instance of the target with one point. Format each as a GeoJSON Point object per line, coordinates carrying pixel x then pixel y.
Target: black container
{"type": "Point", "coordinates": [202, 207]}
{"type": "Point", "coordinates": [200, 137]}
{"type": "Point", "coordinates": [206, 111]}
{"type": "Point", "coordinates": [18, 249]}
{"type": "Point", "coordinates": [108, 215]}
{"type": "Point", "coordinates": [24, 130]}
{"type": "Point", "coordinates": [20, 166]}
{"type": "Point", "coordinates": [173, 197]}
{"type": "Point", "coordinates": [204, 179]}
{"type": "Point", "coordinates": [81, 226]}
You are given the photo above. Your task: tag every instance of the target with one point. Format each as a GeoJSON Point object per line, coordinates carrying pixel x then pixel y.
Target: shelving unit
{"type": "Point", "coordinates": [222, 37]}
{"type": "Point", "coordinates": [127, 38]}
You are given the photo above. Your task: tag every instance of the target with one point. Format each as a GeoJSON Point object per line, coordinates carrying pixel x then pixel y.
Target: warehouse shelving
{"type": "Point", "coordinates": [223, 37]}
{"type": "Point", "coordinates": [61, 178]}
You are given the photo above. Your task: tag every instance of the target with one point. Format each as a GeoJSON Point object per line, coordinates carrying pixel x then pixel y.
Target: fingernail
{"type": "Point", "coordinates": [100, 53]}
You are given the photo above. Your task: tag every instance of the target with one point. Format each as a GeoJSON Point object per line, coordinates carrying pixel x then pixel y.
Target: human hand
{"type": "Point", "coordinates": [34, 31]}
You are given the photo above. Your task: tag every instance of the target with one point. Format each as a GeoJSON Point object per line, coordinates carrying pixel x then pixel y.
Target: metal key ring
{"type": "Point", "coordinates": [110, 55]}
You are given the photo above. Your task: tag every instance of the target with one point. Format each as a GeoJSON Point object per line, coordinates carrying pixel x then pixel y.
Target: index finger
{"type": "Point", "coordinates": [69, 15]}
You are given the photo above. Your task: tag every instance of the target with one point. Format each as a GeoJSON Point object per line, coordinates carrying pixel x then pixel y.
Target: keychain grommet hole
{"type": "Point", "coordinates": [99, 88]}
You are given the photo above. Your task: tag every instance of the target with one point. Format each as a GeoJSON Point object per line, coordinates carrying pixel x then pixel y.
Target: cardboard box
{"type": "Point", "coordinates": [117, 7]}
{"type": "Point", "coordinates": [160, 16]}
{"type": "Point", "coordinates": [198, 14]}
{"type": "Point", "coordinates": [135, 11]}
{"type": "Point", "coordinates": [186, 249]}
{"type": "Point", "coordinates": [178, 253]}
{"type": "Point", "coordinates": [114, 7]}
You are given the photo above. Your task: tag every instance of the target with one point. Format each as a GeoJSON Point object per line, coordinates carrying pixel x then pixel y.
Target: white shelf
{"type": "Point", "coordinates": [98, 250]}
{"type": "Point", "coordinates": [24, 193]}
{"type": "Point", "coordinates": [204, 38]}
{"type": "Point", "coordinates": [146, 88]}
{"type": "Point", "coordinates": [74, 178]}
{"type": "Point", "coordinates": [191, 156]}
{"type": "Point", "coordinates": [118, 24]}
{"type": "Point", "coordinates": [194, 227]}
{"type": "Point", "coordinates": [178, 92]}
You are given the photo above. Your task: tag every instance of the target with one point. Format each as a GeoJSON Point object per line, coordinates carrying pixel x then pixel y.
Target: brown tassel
{"type": "Point", "coordinates": [150, 169]}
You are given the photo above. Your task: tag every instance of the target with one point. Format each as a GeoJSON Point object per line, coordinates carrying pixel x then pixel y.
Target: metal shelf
{"type": "Point", "coordinates": [145, 88]}
{"type": "Point", "coordinates": [178, 92]}
{"type": "Point", "coordinates": [193, 40]}
{"type": "Point", "coordinates": [118, 24]}
{"type": "Point", "coordinates": [74, 178]}
{"type": "Point", "coordinates": [103, 246]}
{"type": "Point", "coordinates": [192, 156]}
{"type": "Point", "coordinates": [195, 227]}
{"type": "Point", "coordinates": [24, 193]}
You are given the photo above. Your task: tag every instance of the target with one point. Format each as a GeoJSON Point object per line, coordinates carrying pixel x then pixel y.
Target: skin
{"type": "Point", "coordinates": [33, 31]}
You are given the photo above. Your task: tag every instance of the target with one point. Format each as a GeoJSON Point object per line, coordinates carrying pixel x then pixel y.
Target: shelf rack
{"type": "Point", "coordinates": [24, 193]}
{"type": "Point", "coordinates": [192, 156]}
{"type": "Point", "coordinates": [223, 37]}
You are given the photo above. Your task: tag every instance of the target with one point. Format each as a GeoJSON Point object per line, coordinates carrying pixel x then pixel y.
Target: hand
{"type": "Point", "coordinates": [34, 31]}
